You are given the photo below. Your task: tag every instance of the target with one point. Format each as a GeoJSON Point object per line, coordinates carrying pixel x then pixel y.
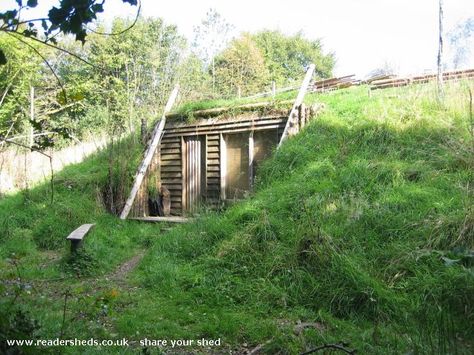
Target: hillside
{"type": "Point", "coordinates": [361, 231]}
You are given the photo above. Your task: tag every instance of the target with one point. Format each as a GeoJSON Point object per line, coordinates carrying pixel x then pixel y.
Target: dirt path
{"type": "Point", "coordinates": [122, 271]}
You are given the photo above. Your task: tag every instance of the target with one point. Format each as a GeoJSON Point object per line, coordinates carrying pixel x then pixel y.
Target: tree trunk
{"type": "Point", "coordinates": [440, 51]}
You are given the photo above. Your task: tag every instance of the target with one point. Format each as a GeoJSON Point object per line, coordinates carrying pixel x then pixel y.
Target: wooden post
{"type": "Point", "coordinates": [184, 185]}
{"type": "Point", "coordinates": [273, 89]}
{"type": "Point", "coordinates": [299, 100]}
{"type": "Point", "coordinates": [204, 173]}
{"type": "Point", "coordinates": [251, 147]}
{"type": "Point", "coordinates": [155, 140]}
{"type": "Point", "coordinates": [440, 52]}
{"type": "Point", "coordinates": [32, 114]}
{"type": "Point", "coordinates": [223, 165]}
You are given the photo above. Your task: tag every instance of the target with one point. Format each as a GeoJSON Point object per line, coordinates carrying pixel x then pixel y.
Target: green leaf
{"type": "Point", "coordinates": [30, 33]}
{"type": "Point", "coordinates": [3, 58]}
{"type": "Point", "coordinates": [8, 15]}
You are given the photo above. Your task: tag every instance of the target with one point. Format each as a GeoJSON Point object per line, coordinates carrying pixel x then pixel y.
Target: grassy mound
{"type": "Point", "coordinates": [361, 230]}
{"type": "Point", "coordinates": [362, 225]}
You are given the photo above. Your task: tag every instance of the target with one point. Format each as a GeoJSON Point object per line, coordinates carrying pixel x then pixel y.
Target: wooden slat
{"type": "Point", "coordinates": [171, 219]}
{"type": "Point", "coordinates": [213, 174]}
{"type": "Point", "coordinates": [80, 233]}
{"type": "Point", "coordinates": [213, 167]}
{"type": "Point", "coordinates": [171, 157]}
{"type": "Point", "coordinates": [213, 155]}
{"type": "Point", "coordinates": [169, 169]}
{"type": "Point", "coordinates": [166, 163]}
{"type": "Point", "coordinates": [213, 149]}
{"type": "Point", "coordinates": [173, 187]}
{"type": "Point", "coordinates": [170, 151]}
{"type": "Point", "coordinates": [170, 174]}
{"type": "Point", "coordinates": [166, 182]}
{"type": "Point", "coordinates": [171, 144]}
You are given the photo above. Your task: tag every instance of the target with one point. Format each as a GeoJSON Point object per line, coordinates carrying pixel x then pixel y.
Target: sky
{"type": "Point", "coordinates": [363, 34]}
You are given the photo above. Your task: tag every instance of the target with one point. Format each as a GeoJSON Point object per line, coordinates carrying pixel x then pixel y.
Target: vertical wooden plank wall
{"type": "Point", "coordinates": [152, 176]}
{"type": "Point", "coordinates": [171, 171]}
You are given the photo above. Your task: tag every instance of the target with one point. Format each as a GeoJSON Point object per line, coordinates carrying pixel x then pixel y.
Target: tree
{"type": "Point", "coordinates": [440, 50]}
{"type": "Point", "coordinates": [210, 38]}
{"type": "Point", "coordinates": [131, 74]}
{"type": "Point", "coordinates": [241, 68]}
{"type": "Point", "coordinates": [288, 57]}
{"type": "Point", "coordinates": [460, 39]}
{"type": "Point", "coordinates": [70, 17]}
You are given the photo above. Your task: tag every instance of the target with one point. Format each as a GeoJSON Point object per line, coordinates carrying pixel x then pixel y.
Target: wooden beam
{"type": "Point", "coordinates": [204, 159]}
{"type": "Point", "coordinates": [155, 140]}
{"type": "Point", "coordinates": [280, 124]}
{"type": "Point", "coordinates": [251, 148]}
{"type": "Point", "coordinates": [223, 165]}
{"type": "Point", "coordinates": [171, 219]}
{"type": "Point", "coordinates": [184, 176]}
{"type": "Point", "coordinates": [297, 103]}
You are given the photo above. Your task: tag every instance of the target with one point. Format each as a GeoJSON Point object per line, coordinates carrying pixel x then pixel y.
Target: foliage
{"type": "Point", "coordinates": [241, 66]}
{"type": "Point", "coordinates": [24, 71]}
{"type": "Point", "coordinates": [126, 80]}
{"type": "Point", "coordinates": [70, 17]}
{"type": "Point", "coordinates": [288, 57]}
{"type": "Point", "coordinates": [139, 69]}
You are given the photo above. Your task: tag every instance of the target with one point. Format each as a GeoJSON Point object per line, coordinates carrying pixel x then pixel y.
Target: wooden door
{"type": "Point", "coordinates": [193, 173]}
{"type": "Point", "coordinates": [237, 165]}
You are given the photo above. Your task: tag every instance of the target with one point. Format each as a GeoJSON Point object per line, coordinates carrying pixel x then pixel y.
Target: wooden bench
{"type": "Point", "coordinates": [77, 236]}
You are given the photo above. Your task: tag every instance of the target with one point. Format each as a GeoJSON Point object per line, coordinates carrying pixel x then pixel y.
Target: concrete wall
{"type": "Point", "coordinates": [20, 168]}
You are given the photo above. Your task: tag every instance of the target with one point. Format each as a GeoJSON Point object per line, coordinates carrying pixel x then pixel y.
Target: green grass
{"type": "Point", "coordinates": [188, 108]}
{"type": "Point", "coordinates": [361, 225]}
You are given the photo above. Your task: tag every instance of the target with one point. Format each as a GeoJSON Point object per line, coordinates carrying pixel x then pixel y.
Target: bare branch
{"type": "Point", "coordinates": [123, 31]}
